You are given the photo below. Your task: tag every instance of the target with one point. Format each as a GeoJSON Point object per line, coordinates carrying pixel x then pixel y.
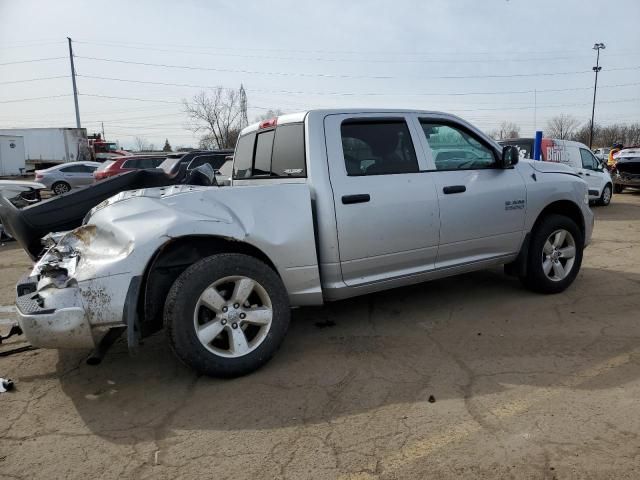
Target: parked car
{"type": "Point", "coordinates": [116, 166]}
{"type": "Point", "coordinates": [67, 176]}
{"type": "Point", "coordinates": [191, 160]}
{"type": "Point", "coordinates": [323, 205]}
{"type": "Point", "coordinates": [21, 189]}
{"type": "Point", "coordinates": [626, 169]}
{"type": "Point", "coordinates": [577, 156]}
{"type": "Point", "coordinates": [20, 193]}
{"type": "Point", "coordinates": [602, 154]}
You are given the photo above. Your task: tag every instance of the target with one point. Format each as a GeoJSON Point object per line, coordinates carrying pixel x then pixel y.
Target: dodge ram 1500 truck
{"type": "Point", "coordinates": [324, 205]}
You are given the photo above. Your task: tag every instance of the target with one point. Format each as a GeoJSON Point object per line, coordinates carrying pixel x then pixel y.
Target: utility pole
{"type": "Point", "coordinates": [597, 68]}
{"type": "Point", "coordinates": [102, 123]}
{"type": "Point", "coordinates": [73, 80]}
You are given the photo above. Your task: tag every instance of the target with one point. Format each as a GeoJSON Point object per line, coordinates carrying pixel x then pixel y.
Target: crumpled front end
{"type": "Point", "coordinates": [88, 281]}
{"type": "Point", "coordinates": [72, 297]}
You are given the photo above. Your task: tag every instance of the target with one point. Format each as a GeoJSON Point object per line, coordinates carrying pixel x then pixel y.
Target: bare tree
{"type": "Point", "coordinates": [562, 127]}
{"type": "Point", "coordinates": [141, 144]}
{"type": "Point", "coordinates": [217, 116]}
{"type": "Point", "coordinates": [506, 130]}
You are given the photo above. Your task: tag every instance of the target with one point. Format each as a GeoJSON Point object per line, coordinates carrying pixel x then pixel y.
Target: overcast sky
{"type": "Point", "coordinates": [295, 55]}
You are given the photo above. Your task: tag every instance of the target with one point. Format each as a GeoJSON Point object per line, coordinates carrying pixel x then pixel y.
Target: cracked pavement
{"type": "Point", "coordinates": [526, 386]}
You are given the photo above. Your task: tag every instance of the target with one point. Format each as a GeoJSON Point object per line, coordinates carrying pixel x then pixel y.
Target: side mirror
{"type": "Point", "coordinates": [510, 156]}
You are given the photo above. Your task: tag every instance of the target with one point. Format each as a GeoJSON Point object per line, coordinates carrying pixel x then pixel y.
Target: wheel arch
{"type": "Point", "coordinates": [566, 208]}
{"type": "Point", "coordinates": [170, 260]}
{"type": "Point", "coordinates": [560, 207]}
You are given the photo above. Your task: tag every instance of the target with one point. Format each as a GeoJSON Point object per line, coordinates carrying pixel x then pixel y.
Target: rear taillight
{"type": "Point", "coordinates": [38, 176]}
{"type": "Point", "coordinates": [272, 122]}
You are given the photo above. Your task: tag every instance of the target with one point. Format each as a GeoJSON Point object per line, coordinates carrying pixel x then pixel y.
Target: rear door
{"type": "Point", "coordinates": [386, 208]}
{"type": "Point", "coordinates": [73, 175]}
{"type": "Point", "coordinates": [482, 206]}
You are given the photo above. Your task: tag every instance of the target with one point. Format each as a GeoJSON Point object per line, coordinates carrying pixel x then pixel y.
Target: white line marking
{"type": "Point", "coordinates": [7, 309]}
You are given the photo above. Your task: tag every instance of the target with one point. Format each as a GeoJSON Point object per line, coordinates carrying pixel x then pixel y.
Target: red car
{"type": "Point", "coordinates": [125, 164]}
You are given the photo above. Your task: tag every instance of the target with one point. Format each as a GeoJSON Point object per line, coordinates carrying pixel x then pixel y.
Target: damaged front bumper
{"type": "Point", "coordinates": [72, 297]}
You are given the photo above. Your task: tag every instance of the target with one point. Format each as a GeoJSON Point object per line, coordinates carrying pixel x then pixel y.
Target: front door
{"type": "Point", "coordinates": [591, 172]}
{"type": "Point", "coordinates": [386, 207]}
{"type": "Point", "coordinates": [482, 207]}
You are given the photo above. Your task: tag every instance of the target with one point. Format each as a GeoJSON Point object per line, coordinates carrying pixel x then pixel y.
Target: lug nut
{"type": "Point", "coordinates": [243, 316]}
{"type": "Point", "coordinates": [236, 305]}
{"type": "Point", "coordinates": [224, 309]}
{"type": "Point", "coordinates": [223, 321]}
{"type": "Point", "coordinates": [234, 325]}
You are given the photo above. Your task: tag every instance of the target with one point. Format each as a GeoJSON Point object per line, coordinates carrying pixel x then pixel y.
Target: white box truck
{"type": "Point", "coordinates": [45, 147]}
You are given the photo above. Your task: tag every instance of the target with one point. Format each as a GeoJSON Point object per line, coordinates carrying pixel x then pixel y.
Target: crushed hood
{"type": "Point", "coordinates": [548, 167]}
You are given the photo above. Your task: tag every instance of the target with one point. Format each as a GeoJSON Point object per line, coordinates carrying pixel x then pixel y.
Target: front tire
{"type": "Point", "coordinates": [226, 315]}
{"type": "Point", "coordinates": [555, 255]}
{"type": "Point", "coordinates": [60, 188]}
{"type": "Point", "coordinates": [605, 197]}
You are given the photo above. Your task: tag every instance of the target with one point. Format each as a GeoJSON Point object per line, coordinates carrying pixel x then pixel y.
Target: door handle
{"type": "Point", "coordinates": [588, 174]}
{"type": "Point", "coordinates": [358, 198]}
{"type": "Point", "coordinates": [454, 189]}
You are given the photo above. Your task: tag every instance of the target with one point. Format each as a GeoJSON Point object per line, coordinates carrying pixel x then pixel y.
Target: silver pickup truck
{"type": "Point", "coordinates": [324, 205]}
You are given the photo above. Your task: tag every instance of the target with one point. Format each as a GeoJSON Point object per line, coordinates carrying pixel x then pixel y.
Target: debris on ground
{"type": "Point", "coordinates": [6, 385]}
{"type": "Point", "coordinates": [15, 330]}
{"type": "Point", "coordinates": [325, 324]}
{"type": "Point", "coordinates": [431, 399]}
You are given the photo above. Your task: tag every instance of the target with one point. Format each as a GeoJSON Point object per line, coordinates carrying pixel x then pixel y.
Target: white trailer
{"type": "Point", "coordinates": [50, 146]}
{"type": "Point", "coordinates": [12, 158]}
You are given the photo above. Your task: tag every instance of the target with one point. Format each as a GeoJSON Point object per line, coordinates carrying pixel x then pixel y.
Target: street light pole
{"type": "Point", "coordinates": [597, 68]}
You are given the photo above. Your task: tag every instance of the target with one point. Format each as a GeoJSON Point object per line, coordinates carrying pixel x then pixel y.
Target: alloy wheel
{"type": "Point", "coordinates": [233, 316]}
{"type": "Point", "coordinates": [558, 255]}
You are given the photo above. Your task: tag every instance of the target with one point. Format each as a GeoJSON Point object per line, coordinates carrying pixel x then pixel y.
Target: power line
{"type": "Point", "coordinates": [230, 70]}
{"type": "Point", "coordinates": [335, 60]}
{"type": "Point", "coordinates": [299, 92]}
{"type": "Point", "coordinates": [31, 61]}
{"type": "Point", "coordinates": [354, 52]}
{"type": "Point", "coordinates": [326, 75]}
{"type": "Point", "coordinates": [26, 80]}
{"type": "Point", "coordinates": [34, 98]}
{"type": "Point", "coordinates": [128, 98]}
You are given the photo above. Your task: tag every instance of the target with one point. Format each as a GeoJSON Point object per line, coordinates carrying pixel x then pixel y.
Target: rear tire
{"type": "Point", "coordinates": [60, 188]}
{"type": "Point", "coordinates": [605, 198]}
{"type": "Point", "coordinates": [618, 188]}
{"type": "Point", "coordinates": [226, 315]}
{"type": "Point", "coordinates": [555, 255]}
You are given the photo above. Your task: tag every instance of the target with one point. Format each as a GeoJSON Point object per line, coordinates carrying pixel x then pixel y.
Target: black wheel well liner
{"type": "Point", "coordinates": [561, 207]}
{"type": "Point", "coordinates": [169, 261]}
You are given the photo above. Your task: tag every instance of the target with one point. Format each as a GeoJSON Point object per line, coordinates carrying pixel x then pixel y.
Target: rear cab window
{"type": "Point", "coordinates": [271, 153]}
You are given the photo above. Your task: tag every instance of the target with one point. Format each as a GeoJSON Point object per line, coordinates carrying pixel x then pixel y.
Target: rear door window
{"type": "Point", "coordinates": [131, 164]}
{"type": "Point", "coordinates": [378, 147]}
